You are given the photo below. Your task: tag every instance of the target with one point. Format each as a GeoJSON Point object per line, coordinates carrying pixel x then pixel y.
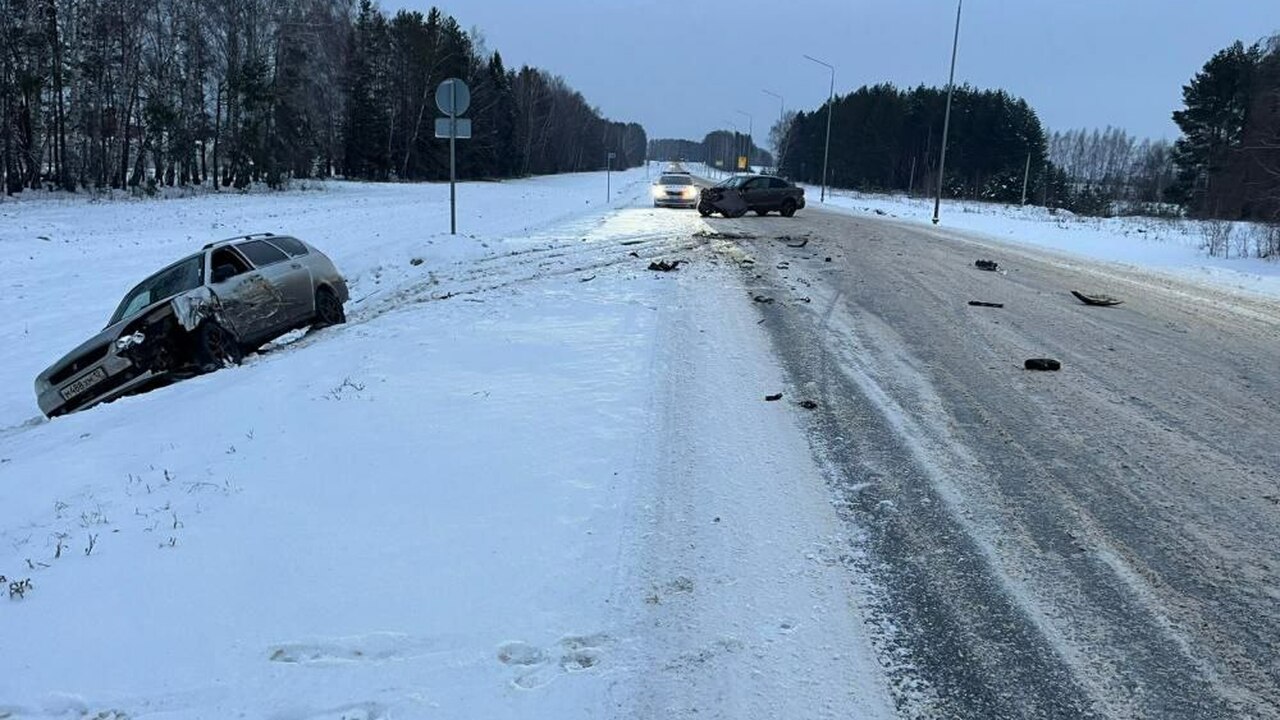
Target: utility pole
{"type": "Point", "coordinates": [750, 137]}
{"type": "Point", "coordinates": [911, 184]}
{"type": "Point", "coordinates": [826, 151]}
{"type": "Point", "coordinates": [782, 113]}
{"type": "Point", "coordinates": [946, 118]}
{"type": "Point", "coordinates": [1026, 175]}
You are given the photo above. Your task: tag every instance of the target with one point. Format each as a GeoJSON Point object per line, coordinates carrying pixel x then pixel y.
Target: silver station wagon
{"type": "Point", "coordinates": [201, 313]}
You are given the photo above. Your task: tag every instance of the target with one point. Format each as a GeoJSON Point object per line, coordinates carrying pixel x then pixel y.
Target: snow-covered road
{"type": "Point", "coordinates": [530, 478]}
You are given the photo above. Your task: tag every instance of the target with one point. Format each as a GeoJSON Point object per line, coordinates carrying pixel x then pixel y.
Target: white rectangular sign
{"type": "Point", "coordinates": [464, 128]}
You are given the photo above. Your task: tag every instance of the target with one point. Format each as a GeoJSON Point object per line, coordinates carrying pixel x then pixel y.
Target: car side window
{"type": "Point", "coordinates": [226, 264]}
{"type": "Point", "coordinates": [753, 184]}
{"type": "Point", "coordinates": [778, 183]}
{"type": "Point", "coordinates": [294, 247]}
{"type": "Point", "coordinates": [261, 254]}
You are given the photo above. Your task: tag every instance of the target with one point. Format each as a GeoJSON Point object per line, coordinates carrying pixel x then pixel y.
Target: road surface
{"type": "Point", "coordinates": [1096, 542]}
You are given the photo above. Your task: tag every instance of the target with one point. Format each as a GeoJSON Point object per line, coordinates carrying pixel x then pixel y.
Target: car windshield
{"type": "Point", "coordinates": [676, 180]}
{"type": "Point", "coordinates": [180, 277]}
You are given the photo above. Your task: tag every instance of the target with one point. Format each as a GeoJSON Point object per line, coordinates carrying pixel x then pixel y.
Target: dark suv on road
{"type": "Point", "coordinates": [760, 193]}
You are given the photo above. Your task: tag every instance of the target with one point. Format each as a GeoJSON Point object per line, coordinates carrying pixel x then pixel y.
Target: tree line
{"type": "Point", "coordinates": [115, 93]}
{"type": "Point", "coordinates": [884, 138]}
{"type": "Point", "coordinates": [718, 148]}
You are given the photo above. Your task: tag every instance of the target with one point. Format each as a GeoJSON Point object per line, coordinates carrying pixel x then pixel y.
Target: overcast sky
{"type": "Point", "coordinates": [683, 67]}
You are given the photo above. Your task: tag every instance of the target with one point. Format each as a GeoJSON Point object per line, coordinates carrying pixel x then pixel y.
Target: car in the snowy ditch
{"type": "Point", "coordinates": [763, 194]}
{"type": "Point", "coordinates": [196, 315]}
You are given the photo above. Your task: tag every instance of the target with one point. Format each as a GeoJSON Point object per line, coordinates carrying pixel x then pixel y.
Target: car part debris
{"type": "Point", "coordinates": [629, 242]}
{"type": "Point", "coordinates": [663, 265]}
{"type": "Point", "coordinates": [828, 260]}
{"type": "Point", "coordinates": [979, 303]}
{"type": "Point", "coordinates": [634, 254]}
{"type": "Point", "coordinates": [712, 235]}
{"type": "Point", "coordinates": [988, 265]}
{"type": "Point", "coordinates": [588, 278]}
{"type": "Point", "coordinates": [800, 244]}
{"type": "Point", "coordinates": [762, 299]}
{"type": "Point", "coordinates": [1098, 300]}
{"type": "Point", "coordinates": [1046, 364]}
{"type": "Point", "coordinates": [773, 398]}
{"type": "Point", "coordinates": [808, 404]}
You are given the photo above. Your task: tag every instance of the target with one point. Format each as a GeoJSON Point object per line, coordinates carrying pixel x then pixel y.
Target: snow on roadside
{"type": "Point", "coordinates": [65, 263]}
{"type": "Point", "coordinates": [460, 504]}
{"type": "Point", "coordinates": [1169, 246]}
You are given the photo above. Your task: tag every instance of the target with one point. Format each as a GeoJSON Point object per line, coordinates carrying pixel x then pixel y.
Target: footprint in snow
{"type": "Point", "coordinates": [538, 667]}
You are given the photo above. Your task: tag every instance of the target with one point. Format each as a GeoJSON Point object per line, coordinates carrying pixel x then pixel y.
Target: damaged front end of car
{"type": "Point", "coordinates": [152, 348]}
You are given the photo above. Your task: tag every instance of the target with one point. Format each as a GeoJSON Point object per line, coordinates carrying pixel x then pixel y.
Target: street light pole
{"type": "Point", "coordinates": [782, 112]}
{"type": "Point", "coordinates": [733, 147]}
{"type": "Point", "coordinates": [826, 151]}
{"type": "Point", "coordinates": [946, 118]}
{"type": "Point", "coordinates": [750, 139]}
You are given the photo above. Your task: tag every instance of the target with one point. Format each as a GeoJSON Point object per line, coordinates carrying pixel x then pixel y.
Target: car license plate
{"type": "Point", "coordinates": [83, 383]}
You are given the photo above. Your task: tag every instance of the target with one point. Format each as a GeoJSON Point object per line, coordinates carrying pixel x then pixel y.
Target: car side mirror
{"type": "Point", "coordinates": [223, 273]}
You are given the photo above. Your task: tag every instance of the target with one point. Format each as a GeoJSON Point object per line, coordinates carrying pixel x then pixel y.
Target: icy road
{"type": "Point", "coordinates": [532, 478]}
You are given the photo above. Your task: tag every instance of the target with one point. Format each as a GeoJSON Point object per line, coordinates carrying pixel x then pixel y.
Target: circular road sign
{"type": "Point", "coordinates": [453, 97]}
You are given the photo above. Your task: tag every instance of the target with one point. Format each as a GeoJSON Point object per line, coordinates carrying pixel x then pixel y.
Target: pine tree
{"type": "Point", "coordinates": [1216, 103]}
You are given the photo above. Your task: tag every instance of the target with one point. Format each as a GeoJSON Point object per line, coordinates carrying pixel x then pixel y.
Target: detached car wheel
{"type": "Point", "coordinates": [788, 208]}
{"type": "Point", "coordinates": [216, 347]}
{"type": "Point", "coordinates": [329, 310]}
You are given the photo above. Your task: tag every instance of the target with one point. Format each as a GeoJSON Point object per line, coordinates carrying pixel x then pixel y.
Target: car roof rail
{"type": "Point", "coordinates": [249, 236]}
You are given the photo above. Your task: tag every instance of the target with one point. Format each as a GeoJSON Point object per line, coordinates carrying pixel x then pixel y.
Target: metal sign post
{"type": "Point", "coordinates": [608, 169]}
{"type": "Point", "coordinates": [453, 97]}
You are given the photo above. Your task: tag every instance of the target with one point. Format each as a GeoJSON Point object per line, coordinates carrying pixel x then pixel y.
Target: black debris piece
{"type": "Point", "coordinates": [628, 242]}
{"type": "Point", "coordinates": [588, 278]}
{"type": "Point", "coordinates": [634, 254]}
{"type": "Point", "coordinates": [762, 299]}
{"type": "Point", "coordinates": [1098, 300]}
{"type": "Point", "coordinates": [828, 259]}
{"type": "Point", "coordinates": [664, 265]}
{"type": "Point", "coordinates": [988, 265]}
{"type": "Point", "coordinates": [808, 404]}
{"type": "Point", "coordinates": [773, 398]}
{"type": "Point", "coordinates": [979, 303]}
{"type": "Point", "coordinates": [878, 211]}
{"type": "Point", "coordinates": [416, 261]}
{"type": "Point", "coordinates": [800, 244]}
{"type": "Point", "coordinates": [1046, 364]}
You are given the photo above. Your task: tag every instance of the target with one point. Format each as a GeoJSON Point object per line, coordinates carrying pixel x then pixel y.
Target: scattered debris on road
{"type": "Point", "coordinates": [979, 303]}
{"type": "Point", "coordinates": [809, 404]}
{"type": "Point", "coordinates": [878, 211]}
{"type": "Point", "coordinates": [663, 265]}
{"type": "Point", "coordinates": [588, 278]}
{"type": "Point", "coordinates": [773, 398]}
{"type": "Point", "coordinates": [828, 259]}
{"type": "Point", "coordinates": [634, 254]}
{"type": "Point", "coordinates": [1098, 300]}
{"type": "Point", "coordinates": [416, 261]}
{"type": "Point", "coordinates": [1045, 364]}
{"type": "Point", "coordinates": [711, 235]}
{"type": "Point", "coordinates": [988, 265]}
{"type": "Point", "coordinates": [631, 242]}
{"type": "Point", "coordinates": [792, 243]}
{"type": "Point", "coordinates": [762, 299]}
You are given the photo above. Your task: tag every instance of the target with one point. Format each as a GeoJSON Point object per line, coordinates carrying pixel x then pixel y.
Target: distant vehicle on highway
{"type": "Point", "coordinates": [763, 194]}
{"type": "Point", "coordinates": [675, 189]}
{"type": "Point", "coordinates": [201, 313]}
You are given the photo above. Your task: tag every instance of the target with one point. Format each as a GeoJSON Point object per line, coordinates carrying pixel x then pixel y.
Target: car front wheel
{"type": "Point", "coordinates": [216, 347]}
{"type": "Point", "coordinates": [329, 310]}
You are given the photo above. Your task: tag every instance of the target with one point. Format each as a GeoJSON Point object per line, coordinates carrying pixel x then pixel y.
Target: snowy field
{"type": "Point", "coordinates": [529, 478]}
{"type": "Point", "coordinates": [1168, 246]}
